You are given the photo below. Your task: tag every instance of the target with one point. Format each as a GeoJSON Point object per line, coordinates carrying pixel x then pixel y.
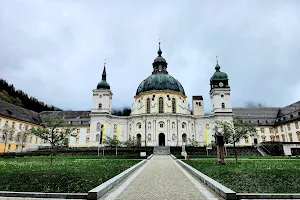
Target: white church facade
{"type": "Point", "coordinates": [160, 114]}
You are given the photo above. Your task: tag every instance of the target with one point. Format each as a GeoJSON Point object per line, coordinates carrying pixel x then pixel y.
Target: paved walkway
{"type": "Point", "coordinates": [161, 178]}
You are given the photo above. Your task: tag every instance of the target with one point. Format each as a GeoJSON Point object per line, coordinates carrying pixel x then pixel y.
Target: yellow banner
{"type": "Point", "coordinates": [207, 137]}
{"type": "Point", "coordinates": [119, 132]}
{"type": "Point", "coordinates": [103, 133]}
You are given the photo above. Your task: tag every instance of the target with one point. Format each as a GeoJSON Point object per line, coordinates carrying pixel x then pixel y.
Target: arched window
{"type": "Point", "coordinates": [173, 106]}
{"type": "Point", "coordinates": [207, 126]}
{"type": "Point", "coordinates": [161, 105]}
{"type": "Point", "coordinates": [148, 105]}
{"type": "Point", "coordinates": [100, 106]}
{"type": "Point", "coordinates": [97, 138]}
{"type": "Point", "coordinates": [161, 124]}
{"type": "Point", "coordinates": [98, 126]}
{"type": "Point", "coordinates": [263, 138]}
{"type": "Point", "coordinates": [223, 105]}
{"type": "Point", "coordinates": [138, 126]}
{"type": "Point", "coordinates": [272, 138]}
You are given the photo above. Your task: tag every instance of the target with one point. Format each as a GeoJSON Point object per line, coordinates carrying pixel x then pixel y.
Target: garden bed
{"type": "Point", "coordinates": [254, 176]}
{"type": "Point", "coordinates": [68, 175]}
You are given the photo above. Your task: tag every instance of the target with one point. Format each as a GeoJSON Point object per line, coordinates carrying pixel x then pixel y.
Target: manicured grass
{"type": "Point", "coordinates": [102, 157]}
{"type": "Point", "coordinates": [34, 174]}
{"type": "Point", "coordinates": [254, 176]}
{"type": "Point", "coordinates": [243, 157]}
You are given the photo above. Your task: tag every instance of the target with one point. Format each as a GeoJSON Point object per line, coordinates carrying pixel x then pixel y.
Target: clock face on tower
{"type": "Point", "coordinates": [221, 84]}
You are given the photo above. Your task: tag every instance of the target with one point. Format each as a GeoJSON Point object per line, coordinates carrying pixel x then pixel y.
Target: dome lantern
{"type": "Point", "coordinates": [159, 64]}
{"type": "Point", "coordinates": [160, 78]}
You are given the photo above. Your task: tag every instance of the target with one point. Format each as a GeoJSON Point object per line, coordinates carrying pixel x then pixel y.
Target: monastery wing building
{"type": "Point", "coordinates": [160, 115]}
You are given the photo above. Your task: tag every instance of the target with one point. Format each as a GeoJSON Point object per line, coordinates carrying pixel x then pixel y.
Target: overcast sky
{"type": "Point", "coordinates": [54, 50]}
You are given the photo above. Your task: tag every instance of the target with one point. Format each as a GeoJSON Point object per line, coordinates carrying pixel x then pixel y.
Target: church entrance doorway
{"type": "Point", "coordinates": [161, 139]}
{"type": "Point", "coordinates": [139, 140]}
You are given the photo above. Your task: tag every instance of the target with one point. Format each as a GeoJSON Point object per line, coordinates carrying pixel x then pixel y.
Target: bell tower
{"type": "Point", "coordinates": [102, 96]}
{"type": "Point", "coordinates": [220, 92]}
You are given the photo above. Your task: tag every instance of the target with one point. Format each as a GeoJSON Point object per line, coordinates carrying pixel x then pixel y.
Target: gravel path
{"type": "Point", "coordinates": [161, 179]}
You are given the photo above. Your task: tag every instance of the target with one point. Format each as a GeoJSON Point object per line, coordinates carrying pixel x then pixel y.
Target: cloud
{"type": "Point", "coordinates": [54, 50]}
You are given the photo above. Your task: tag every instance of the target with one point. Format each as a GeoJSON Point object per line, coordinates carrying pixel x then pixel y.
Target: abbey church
{"type": "Point", "coordinates": [160, 114]}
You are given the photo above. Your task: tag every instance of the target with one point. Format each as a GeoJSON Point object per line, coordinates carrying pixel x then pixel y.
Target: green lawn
{"type": "Point", "coordinates": [244, 157]}
{"type": "Point", "coordinates": [254, 176]}
{"type": "Point", "coordinates": [33, 174]}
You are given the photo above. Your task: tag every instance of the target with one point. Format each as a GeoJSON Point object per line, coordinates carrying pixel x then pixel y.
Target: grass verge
{"type": "Point", "coordinates": [255, 176]}
{"type": "Point", "coordinates": [68, 175]}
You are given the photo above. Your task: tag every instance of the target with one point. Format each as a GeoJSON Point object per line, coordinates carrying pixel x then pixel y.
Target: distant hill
{"type": "Point", "coordinates": [9, 94]}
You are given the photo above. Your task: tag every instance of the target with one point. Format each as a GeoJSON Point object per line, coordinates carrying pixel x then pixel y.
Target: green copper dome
{"type": "Point", "coordinates": [219, 75]}
{"type": "Point", "coordinates": [160, 81]}
{"type": "Point", "coordinates": [103, 84]}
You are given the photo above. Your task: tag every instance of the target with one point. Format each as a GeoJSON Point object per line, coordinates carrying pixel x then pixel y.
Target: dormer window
{"type": "Point", "coordinates": [291, 116]}
{"type": "Point", "coordinates": [100, 106]}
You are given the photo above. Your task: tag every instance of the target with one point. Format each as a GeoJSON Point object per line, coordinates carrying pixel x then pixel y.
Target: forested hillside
{"type": "Point", "coordinates": [9, 94]}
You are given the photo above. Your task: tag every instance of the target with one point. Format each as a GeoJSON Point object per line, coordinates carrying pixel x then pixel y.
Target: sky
{"type": "Point", "coordinates": [54, 50]}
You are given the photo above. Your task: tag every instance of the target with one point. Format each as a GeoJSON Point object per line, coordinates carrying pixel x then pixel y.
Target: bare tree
{"type": "Point", "coordinates": [7, 134]}
{"type": "Point", "coordinates": [55, 130]}
{"type": "Point", "coordinates": [235, 130]}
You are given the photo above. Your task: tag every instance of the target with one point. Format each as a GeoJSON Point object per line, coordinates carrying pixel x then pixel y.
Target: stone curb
{"type": "Point", "coordinates": [44, 195]}
{"type": "Point", "coordinates": [102, 189]}
{"type": "Point", "coordinates": [173, 156]}
{"type": "Point", "coordinates": [223, 191]}
{"type": "Point", "coordinates": [149, 157]}
{"type": "Point", "coordinates": [267, 196]}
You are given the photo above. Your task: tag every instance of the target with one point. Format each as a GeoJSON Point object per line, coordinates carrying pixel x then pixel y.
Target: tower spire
{"type": "Point", "coordinates": [217, 65]}
{"type": "Point", "coordinates": [104, 71]}
{"type": "Point", "coordinates": [159, 50]}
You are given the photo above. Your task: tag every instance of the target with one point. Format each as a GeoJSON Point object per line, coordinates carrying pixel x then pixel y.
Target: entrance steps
{"type": "Point", "coordinates": [161, 150]}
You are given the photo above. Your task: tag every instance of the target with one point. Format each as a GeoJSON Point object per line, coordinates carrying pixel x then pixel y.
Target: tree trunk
{"type": "Point", "coordinates": [4, 146]}
{"type": "Point", "coordinates": [51, 158]}
{"type": "Point", "coordinates": [22, 143]}
{"type": "Point", "coordinates": [235, 153]}
{"type": "Point", "coordinates": [5, 142]}
{"type": "Point", "coordinates": [116, 150]}
{"type": "Point", "coordinates": [103, 151]}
